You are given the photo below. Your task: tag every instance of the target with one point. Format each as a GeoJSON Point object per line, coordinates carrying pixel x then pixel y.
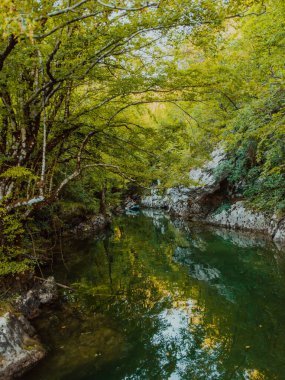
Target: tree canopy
{"type": "Point", "coordinates": [114, 94]}
{"type": "Point", "coordinates": [76, 77]}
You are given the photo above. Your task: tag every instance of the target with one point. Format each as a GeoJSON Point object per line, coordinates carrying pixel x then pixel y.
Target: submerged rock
{"type": "Point", "coordinates": [41, 294]}
{"type": "Point", "coordinates": [19, 346]}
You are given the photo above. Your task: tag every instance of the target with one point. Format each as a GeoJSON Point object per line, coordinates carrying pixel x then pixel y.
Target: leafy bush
{"type": "Point", "coordinates": [12, 260]}
{"type": "Point", "coordinates": [267, 192]}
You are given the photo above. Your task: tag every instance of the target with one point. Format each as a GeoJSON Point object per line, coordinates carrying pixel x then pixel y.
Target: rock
{"type": "Point", "coordinates": [197, 200]}
{"type": "Point", "coordinates": [19, 347]}
{"type": "Point", "coordinates": [205, 176]}
{"type": "Point", "coordinates": [208, 192]}
{"type": "Point", "coordinates": [279, 233]}
{"type": "Point", "coordinates": [155, 200]}
{"type": "Point", "coordinates": [178, 200]}
{"type": "Point", "coordinates": [94, 224]}
{"type": "Point", "coordinates": [174, 200]}
{"type": "Point", "coordinates": [240, 217]}
{"type": "Point", "coordinates": [131, 205]}
{"type": "Point", "coordinates": [41, 294]}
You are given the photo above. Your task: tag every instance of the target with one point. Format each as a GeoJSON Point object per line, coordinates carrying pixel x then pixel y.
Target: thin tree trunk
{"type": "Point", "coordinates": [43, 169]}
{"type": "Point", "coordinates": [103, 208]}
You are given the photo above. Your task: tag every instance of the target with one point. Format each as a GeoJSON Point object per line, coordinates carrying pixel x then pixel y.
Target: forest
{"type": "Point", "coordinates": [98, 97]}
{"type": "Point", "coordinates": [106, 108]}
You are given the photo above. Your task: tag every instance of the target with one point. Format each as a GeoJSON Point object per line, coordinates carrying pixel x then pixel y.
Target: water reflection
{"type": "Point", "coordinates": [160, 299]}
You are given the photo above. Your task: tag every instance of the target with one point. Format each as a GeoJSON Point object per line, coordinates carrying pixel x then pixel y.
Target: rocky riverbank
{"type": "Point", "coordinates": [20, 347]}
{"type": "Point", "coordinates": [210, 200]}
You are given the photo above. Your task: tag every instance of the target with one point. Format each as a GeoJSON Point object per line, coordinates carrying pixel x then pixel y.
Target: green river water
{"type": "Point", "coordinates": [160, 299]}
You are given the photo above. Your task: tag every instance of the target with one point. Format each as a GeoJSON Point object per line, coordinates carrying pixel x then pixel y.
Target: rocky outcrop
{"type": "Point", "coordinates": [41, 294]}
{"type": "Point", "coordinates": [197, 200]}
{"type": "Point", "coordinates": [206, 176]}
{"type": "Point", "coordinates": [19, 346]}
{"type": "Point", "coordinates": [94, 224]}
{"type": "Point", "coordinates": [175, 200]}
{"type": "Point", "coordinates": [238, 216]}
{"type": "Point", "coordinates": [203, 200]}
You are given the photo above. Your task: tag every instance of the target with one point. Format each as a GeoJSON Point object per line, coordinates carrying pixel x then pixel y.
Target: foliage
{"type": "Point", "coordinates": [12, 260]}
{"type": "Point", "coordinates": [81, 84]}
{"type": "Point", "coordinates": [18, 172]}
{"type": "Point", "coordinates": [243, 108]}
{"type": "Point", "coordinates": [225, 206]}
{"type": "Point", "coordinates": [118, 94]}
{"type": "Point", "coordinates": [267, 193]}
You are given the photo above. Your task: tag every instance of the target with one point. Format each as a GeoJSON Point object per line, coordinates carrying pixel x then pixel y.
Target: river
{"type": "Point", "coordinates": [163, 299]}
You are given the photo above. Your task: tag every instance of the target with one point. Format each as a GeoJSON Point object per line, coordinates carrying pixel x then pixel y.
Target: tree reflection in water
{"type": "Point", "coordinates": [159, 299]}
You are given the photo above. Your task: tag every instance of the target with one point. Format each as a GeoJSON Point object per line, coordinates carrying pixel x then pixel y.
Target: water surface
{"type": "Point", "coordinates": [158, 299]}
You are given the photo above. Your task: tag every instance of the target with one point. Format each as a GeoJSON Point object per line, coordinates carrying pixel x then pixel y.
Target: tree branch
{"type": "Point", "coordinates": [12, 43]}
{"type": "Point", "coordinates": [151, 5]}
{"type": "Point", "coordinates": [65, 10]}
{"type": "Point", "coordinates": [50, 59]}
{"type": "Point", "coordinates": [80, 18]}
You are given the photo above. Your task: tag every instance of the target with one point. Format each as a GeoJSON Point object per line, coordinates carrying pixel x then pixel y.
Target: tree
{"type": "Point", "coordinates": [69, 71]}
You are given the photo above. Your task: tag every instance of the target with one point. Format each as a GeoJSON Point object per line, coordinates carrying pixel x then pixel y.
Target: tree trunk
{"type": "Point", "coordinates": [103, 207]}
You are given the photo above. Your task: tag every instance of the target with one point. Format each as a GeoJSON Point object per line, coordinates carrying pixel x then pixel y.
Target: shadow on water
{"type": "Point", "coordinates": [160, 299]}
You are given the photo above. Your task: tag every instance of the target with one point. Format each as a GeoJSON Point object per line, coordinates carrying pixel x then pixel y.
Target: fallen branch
{"type": "Point", "coordinates": [57, 283]}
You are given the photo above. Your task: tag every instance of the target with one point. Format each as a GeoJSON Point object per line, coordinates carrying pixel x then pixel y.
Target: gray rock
{"type": "Point", "coordinates": [200, 201]}
{"type": "Point", "coordinates": [155, 200]}
{"type": "Point", "coordinates": [279, 235]}
{"type": "Point", "coordinates": [41, 294]}
{"type": "Point", "coordinates": [205, 176]}
{"type": "Point", "coordinates": [94, 224]}
{"type": "Point", "coordinates": [19, 347]}
{"type": "Point", "coordinates": [185, 201]}
{"type": "Point", "coordinates": [240, 217]}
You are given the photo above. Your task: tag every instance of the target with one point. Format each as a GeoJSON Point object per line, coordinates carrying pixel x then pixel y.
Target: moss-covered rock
{"type": "Point", "coordinates": [19, 346]}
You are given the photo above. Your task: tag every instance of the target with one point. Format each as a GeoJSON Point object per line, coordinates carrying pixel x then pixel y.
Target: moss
{"type": "Point", "coordinates": [30, 344]}
{"type": "Point", "coordinates": [6, 306]}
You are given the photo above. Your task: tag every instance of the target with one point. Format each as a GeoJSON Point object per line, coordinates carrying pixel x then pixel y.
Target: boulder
{"type": "Point", "coordinates": [94, 224]}
{"type": "Point", "coordinates": [43, 293]}
{"type": "Point", "coordinates": [279, 232]}
{"type": "Point", "coordinates": [19, 346]}
{"type": "Point", "coordinates": [240, 217]}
